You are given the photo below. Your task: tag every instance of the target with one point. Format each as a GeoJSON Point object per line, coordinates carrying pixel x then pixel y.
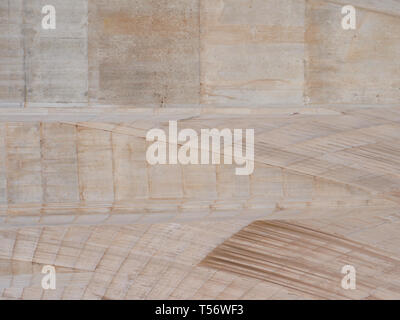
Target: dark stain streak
{"type": "Point", "coordinates": [303, 259]}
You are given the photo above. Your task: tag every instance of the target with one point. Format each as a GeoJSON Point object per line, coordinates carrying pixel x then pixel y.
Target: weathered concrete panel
{"type": "Point", "coordinates": [95, 166]}
{"type": "Point", "coordinates": [56, 63]}
{"type": "Point", "coordinates": [252, 52]}
{"type": "Point", "coordinates": [199, 182]}
{"type": "Point", "coordinates": [3, 164]}
{"type": "Point", "coordinates": [130, 176]}
{"type": "Point", "coordinates": [165, 181]}
{"type": "Point", "coordinates": [12, 77]}
{"type": "Point", "coordinates": [60, 169]}
{"type": "Point", "coordinates": [24, 176]}
{"type": "Point", "coordinates": [359, 66]}
{"type": "Point", "coordinates": [229, 185]}
{"type": "Point", "coordinates": [144, 52]}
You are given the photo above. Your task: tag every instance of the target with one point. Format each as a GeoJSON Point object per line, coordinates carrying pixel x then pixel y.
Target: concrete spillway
{"type": "Point", "coordinates": [76, 189]}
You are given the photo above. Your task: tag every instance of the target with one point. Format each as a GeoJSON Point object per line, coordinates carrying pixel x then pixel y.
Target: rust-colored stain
{"type": "Point", "coordinates": [125, 24]}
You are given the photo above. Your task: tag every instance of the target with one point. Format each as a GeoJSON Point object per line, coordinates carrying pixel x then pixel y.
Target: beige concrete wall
{"type": "Point", "coordinates": [222, 53]}
{"type": "Point", "coordinates": [76, 191]}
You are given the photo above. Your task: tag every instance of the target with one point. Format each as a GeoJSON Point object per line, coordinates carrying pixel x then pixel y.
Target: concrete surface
{"type": "Point", "coordinates": [76, 191]}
